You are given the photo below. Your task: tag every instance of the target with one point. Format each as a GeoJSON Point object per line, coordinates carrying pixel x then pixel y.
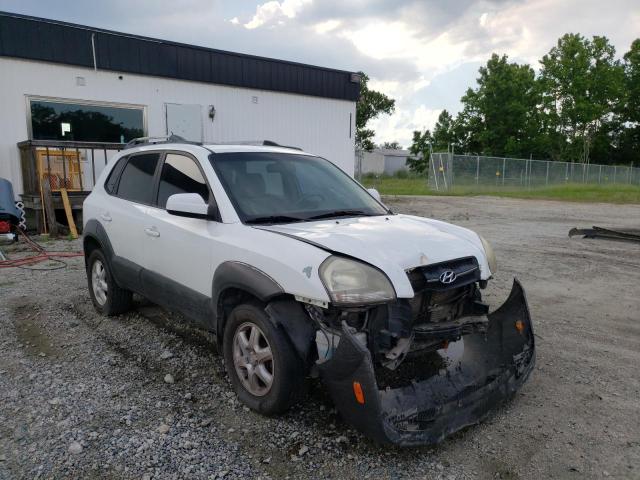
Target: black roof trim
{"type": "Point", "coordinates": [40, 39]}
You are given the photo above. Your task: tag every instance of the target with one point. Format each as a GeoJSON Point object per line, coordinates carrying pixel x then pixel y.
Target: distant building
{"type": "Point", "coordinates": [72, 95]}
{"type": "Point", "coordinates": [383, 160]}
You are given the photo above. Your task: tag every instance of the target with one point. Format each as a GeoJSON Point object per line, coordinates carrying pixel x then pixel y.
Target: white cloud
{"type": "Point", "coordinates": [401, 125]}
{"type": "Point", "coordinates": [398, 40]}
{"type": "Point", "coordinates": [275, 11]}
{"type": "Point", "coordinates": [234, 20]}
{"type": "Point", "coordinates": [326, 27]}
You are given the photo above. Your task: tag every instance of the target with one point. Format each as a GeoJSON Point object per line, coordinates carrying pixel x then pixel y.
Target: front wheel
{"type": "Point", "coordinates": [263, 367]}
{"type": "Point", "coordinates": [107, 297]}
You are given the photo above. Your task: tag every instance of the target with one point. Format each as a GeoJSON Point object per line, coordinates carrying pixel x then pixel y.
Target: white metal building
{"type": "Point", "coordinates": [63, 83]}
{"type": "Point", "coordinates": [384, 160]}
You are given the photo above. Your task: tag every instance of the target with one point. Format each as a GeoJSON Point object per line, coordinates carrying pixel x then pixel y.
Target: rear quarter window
{"type": "Point", "coordinates": [112, 180]}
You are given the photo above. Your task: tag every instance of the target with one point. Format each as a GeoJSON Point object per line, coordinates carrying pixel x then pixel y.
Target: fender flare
{"type": "Point", "coordinates": [94, 230]}
{"type": "Point", "coordinates": [241, 276]}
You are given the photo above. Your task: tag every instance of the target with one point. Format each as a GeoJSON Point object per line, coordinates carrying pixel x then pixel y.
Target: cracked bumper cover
{"type": "Point", "coordinates": [492, 367]}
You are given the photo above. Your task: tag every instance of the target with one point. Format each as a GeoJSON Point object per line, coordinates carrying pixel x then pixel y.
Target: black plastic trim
{"type": "Point", "coordinates": [241, 276]}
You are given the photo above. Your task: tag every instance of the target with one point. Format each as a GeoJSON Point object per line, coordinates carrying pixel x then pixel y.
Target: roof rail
{"type": "Point", "coordinates": [136, 142]}
{"type": "Point", "coordinates": [259, 143]}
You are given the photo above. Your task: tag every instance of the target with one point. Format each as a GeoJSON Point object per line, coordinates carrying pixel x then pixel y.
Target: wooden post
{"type": "Point", "coordinates": [67, 211]}
{"type": "Point", "coordinates": [47, 205]}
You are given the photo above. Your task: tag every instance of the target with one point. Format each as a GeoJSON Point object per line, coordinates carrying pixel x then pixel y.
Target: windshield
{"type": "Point", "coordinates": [269, 187]}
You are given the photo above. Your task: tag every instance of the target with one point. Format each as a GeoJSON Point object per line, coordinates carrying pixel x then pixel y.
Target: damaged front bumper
{"type": "Point", "coordinates": [491, 367]}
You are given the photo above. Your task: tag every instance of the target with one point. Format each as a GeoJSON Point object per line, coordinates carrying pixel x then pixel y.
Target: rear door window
{"type": "Point", "coordinates": [180, 174]}
{"type": "Point", "coordinates": [137, 179]}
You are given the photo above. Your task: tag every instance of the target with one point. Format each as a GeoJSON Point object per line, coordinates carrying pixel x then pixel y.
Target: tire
{"type": "Point", "coordinates": [286, 368]}
{"type": "Point", "coordinates": [110, 299]}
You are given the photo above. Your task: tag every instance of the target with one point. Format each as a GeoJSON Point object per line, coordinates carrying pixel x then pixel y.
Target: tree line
{"type": "Point", "coordinates": [582, 106]}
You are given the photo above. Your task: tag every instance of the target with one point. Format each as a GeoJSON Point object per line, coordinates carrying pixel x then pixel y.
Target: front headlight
{"type": "Point", "coordinates": [350, 282]}
{"type": "Point", "coordinates": [491, 256]}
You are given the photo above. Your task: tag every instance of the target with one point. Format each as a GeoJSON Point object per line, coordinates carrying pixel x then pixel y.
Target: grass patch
{"type": "Point", "coordinates": [619, 193]}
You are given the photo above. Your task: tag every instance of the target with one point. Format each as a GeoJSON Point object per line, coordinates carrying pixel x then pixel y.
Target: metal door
{"type": "Point", "coordinates": [185, 121]}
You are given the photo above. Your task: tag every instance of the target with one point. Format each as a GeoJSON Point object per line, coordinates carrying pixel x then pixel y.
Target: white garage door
{"type": "Point", "coordinates": [185, 121]}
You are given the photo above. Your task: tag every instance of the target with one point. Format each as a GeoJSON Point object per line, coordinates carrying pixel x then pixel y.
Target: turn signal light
{"type": "Point", "coordinates": [357, 391]}
{"type": "Point", "coordinates": [520, 326]}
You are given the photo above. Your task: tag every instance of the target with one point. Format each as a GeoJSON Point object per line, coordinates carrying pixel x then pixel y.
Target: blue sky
{"type": "Point", "coordinates": [423, 53]}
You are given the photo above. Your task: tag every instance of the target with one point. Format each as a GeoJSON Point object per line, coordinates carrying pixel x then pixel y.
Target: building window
{"type": "Point", "coordinates": [84, 122]}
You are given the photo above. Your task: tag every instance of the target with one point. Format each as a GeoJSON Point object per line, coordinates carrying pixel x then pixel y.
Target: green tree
{"type": "Point", "coordinates": [419, 150]}
{"type": "Point", "coordinates": [500, 117]}
{"type": "Point", "coordinates": [628, 147]}
{"type": "Point", "coordinates": [370, 105]}
{"type": "Point", "coordinates": [443, 138]}
{"type": "Point", "coordinates": [583, 85]}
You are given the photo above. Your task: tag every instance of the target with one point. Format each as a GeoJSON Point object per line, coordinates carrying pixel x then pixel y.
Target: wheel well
{"type": "Point", "coordinates": [232, 297]}
{"type": "Point", "coordinates": [227, 300]}
{"type": "Point", "coordinates": [90, 244]}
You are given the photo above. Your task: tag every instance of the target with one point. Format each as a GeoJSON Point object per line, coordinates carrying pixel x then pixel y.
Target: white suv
{"type": "Point", "coordinates": [300, 271]}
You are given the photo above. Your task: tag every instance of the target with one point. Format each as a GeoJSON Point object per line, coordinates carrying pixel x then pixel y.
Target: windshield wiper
{"type": "Point", "coordinates": [340, 213]}
{"type": "Point", "coordinates": [275, 219]}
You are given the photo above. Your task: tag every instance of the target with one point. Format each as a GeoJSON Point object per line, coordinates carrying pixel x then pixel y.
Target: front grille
{"type": "Point", "coordinates": [437, 302]}
{"type": "Point", "coordinates": [466, 269]}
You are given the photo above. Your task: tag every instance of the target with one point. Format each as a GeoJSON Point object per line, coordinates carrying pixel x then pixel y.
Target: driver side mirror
{"type": "Point", "coordinates": [375, 194]}
{"type": "Point", "coordinates": [189, 205]}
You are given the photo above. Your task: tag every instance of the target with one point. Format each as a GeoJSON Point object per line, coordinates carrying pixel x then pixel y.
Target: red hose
{"type": "Point", "coordinates": [41, 256]}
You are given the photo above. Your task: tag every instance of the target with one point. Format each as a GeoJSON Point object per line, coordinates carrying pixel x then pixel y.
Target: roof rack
{"type": "Point", "coordinates": [136, 142]}
{"type": "Point", "coordinates": [259, 143]}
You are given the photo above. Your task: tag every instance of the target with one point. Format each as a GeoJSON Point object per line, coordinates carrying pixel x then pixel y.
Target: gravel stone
{"type": "Point", "coordinates": [75, 448]}
{"type": "Point", "coordinates": [168, 378]}
{"type": "Point", "coordinates": [101, 374]}
{"type": "Point", "coordinates": [166, 355]}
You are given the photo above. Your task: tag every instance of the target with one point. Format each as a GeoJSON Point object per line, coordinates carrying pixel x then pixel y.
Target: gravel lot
{"type": "Point", "coordinates": [144, 396]}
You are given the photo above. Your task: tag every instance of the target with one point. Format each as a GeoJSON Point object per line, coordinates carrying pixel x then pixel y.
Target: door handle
{"type": "Point", "coordinates": [152, 232]}
{"type": "Point", "coordinates": [106, 217]}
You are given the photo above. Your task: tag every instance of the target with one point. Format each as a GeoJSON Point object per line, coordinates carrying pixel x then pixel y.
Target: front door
{"type": "Point", "coordinates": [180, 257]}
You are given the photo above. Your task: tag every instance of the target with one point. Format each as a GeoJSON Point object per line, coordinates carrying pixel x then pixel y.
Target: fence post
{"type": "Point", "coordinates": [444, 176]}
{"type": "Point", "coordinates": [599, 174]}
{"type": "Point", "coordinates": [615, 168]}
{"type": "Point", "coordinates": [504, 166]}
{"type": "Point", "coordinates": [435, 173]}
{"type": "Point", "coordinates": [547, 180]}
{"type": "Point", "coordinates": [566, 174]}
{"type": "Point", "coordinates": [477, 168]}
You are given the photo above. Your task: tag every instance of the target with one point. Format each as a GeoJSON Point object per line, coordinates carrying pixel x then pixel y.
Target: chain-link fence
{"type": "Point", "coordinates": [447, 171]}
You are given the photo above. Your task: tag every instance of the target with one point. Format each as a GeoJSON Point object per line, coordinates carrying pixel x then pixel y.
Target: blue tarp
{"type": "Point", "coordinates": [7, 204]}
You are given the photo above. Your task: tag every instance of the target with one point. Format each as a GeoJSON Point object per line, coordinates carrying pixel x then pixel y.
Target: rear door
{"type": "Point", "coordinates": [180, 256]}
{"type": "Point", "coordinates": [125, 216]}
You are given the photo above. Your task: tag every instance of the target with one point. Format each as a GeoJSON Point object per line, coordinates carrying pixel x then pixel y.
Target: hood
{"type": "Point", "coordinates": [393, 243]}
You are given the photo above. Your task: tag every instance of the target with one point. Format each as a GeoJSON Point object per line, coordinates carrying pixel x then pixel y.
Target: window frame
{"type": "Point", "coordinates": [212, 200]}
{"type": "Point", "coordinates": [88, 103]}
{"type": "Point", "coordinates": [154, 180]}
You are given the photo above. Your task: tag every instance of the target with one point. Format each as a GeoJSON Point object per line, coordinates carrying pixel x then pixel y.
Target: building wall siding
{"type": "Point", "coordinates": [317, 125]}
